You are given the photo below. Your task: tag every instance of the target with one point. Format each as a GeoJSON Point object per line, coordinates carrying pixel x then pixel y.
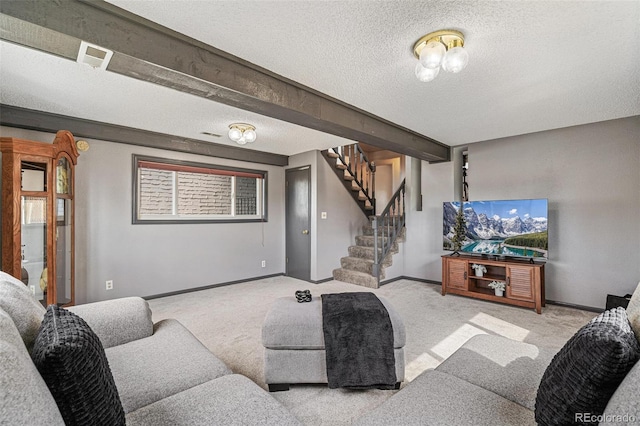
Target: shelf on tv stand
{"type": "Point", "coordinates": [524, 280]}
{"type": "Point", "coordinates": [488, 278]}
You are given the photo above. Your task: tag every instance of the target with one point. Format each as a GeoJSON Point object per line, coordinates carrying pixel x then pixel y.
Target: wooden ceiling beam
{"type": "Point", "coordinates": [147, 51]}
{"type": "Point", "coordinates": [47, 122]}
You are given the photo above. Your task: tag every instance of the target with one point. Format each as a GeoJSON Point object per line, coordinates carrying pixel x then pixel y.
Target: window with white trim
{"type": "Point", "coordinates": [175, 191]}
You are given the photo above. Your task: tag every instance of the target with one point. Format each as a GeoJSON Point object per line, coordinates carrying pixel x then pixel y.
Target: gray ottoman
{"type": "Point", "coordinates": [294, 343]}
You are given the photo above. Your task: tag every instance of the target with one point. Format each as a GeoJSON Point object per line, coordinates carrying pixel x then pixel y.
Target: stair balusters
{"type": "Point", "coordinates": [387, 226]}
{"type": "Point", "coordinates": [359, 171]}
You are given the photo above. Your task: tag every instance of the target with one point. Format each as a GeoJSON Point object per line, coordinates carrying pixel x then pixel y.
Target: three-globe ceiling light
{"type": "Point", "coordinates": [241, 133]}
{"type": "Point", "coordinates": [444, 48]}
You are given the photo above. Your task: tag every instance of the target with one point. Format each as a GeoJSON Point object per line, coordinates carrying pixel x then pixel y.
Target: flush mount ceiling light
{"type": "Point", "coordinates": [444, 48]}
{"type": "Point", "coordinates": [242, 133]}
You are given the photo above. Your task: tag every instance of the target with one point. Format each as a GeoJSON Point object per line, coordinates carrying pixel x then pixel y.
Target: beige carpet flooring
{"type": "Point", "coordinates": [228, 321]}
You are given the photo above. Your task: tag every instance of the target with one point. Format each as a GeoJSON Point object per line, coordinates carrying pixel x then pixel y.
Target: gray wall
{"type": "Point", "coordinates": [591, 176]}
{"type": "Point", "coordinates": [330, 237]}
{"type": "Point", "coordinates": [423, 245]}
{"type": "Point", "coordinates": [152, 259]}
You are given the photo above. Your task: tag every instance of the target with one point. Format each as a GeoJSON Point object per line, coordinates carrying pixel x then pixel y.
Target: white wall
{"type": "Point", "coordinates": [146, 260]}
{"type": "Point", "coordinates": [591, 176]}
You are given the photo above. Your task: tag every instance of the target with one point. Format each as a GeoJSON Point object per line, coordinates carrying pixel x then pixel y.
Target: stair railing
{"type": "Point", "coordinates": [360, 168]}
{"type": "Point", "coordinates": [386, 228]}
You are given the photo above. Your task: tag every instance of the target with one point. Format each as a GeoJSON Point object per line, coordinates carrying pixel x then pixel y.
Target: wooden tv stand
{"type": "Point", "coordinates": [525, 280]}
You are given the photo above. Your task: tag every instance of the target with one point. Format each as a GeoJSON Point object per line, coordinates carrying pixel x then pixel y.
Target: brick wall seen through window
{"type": "Point", "coordinates": [175, 191]}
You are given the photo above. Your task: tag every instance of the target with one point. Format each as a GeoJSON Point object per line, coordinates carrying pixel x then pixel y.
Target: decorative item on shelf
{"type": "Point", "coordinates": [24, 276]}
{"type": "Point", "coordinates": [241, 133]}
{"type": "Point", "coordinates": [479, 269]}
{"type": "Point", "coordinates": [43, 280]}
{"type": "Point", "coordinates": [444, 48]}
{"type": "Point", "coordinates": [498, 287]}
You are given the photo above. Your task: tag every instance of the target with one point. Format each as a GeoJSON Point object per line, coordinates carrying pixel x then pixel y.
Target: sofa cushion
{"type": "Point", "coordinates": [625, 398]}
{"type": "Point", "coordinates": [26, 312]}
{"type": "Point", "coordinates": [166, 363]}
{"type": "Point", "coordinates": [507, 367]}
{"type": "Point", "coordinates": [117, 321]}
{"type": "Point", "coordinates": [586, 372]}
{"type": "Point", "coordinates": [633, 312]}
{"type": "Point", "coordinates": [72, 362]}
{"type": "Point", "coordinates": [293, 325]}
{"type": "Point", "coordinates": [229, 400]}
{"type": "Point", "coordinates": [25, 399]}
{"type": "Point", "coordinates": [437, 398]}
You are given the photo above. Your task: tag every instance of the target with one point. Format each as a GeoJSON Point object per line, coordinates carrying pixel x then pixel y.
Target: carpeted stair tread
{"type": "Point", "coordinates": [366, 252]}
{"type": "Point", "coordinates": [368, 240]}
{"type": "Point", "coordinates": [363, 265]}
{"type": "Point", "coordinates": [355, 277]}
{"type": "Point", "coordinates": [368, 230]}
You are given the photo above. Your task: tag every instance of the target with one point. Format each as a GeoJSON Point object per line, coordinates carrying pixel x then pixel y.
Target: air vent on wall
{"type": "Point", "coordinates": [94, 56]}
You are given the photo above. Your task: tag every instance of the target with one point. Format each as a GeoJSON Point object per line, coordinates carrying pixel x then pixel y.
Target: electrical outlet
{"type": "Point", "coordinates": [109, 285]}
{"type": "Point", "coordinates": [33, 289]}
{"type": "Point", "coordinates": [264, 263]}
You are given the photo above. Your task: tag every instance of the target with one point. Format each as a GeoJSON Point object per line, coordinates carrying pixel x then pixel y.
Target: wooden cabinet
{"type": "Point", "coordinates": [456, 272]}
{"type": "Point", "coordinates": [524, 281]}
{"type": "Point", "coordinates": [38, 215]}
{"type": "Point", "coordinates": [519, 283]}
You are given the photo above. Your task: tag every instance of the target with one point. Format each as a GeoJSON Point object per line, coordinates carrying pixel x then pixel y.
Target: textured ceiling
{"type": "Point", "coordinates": [36, 80]}
{"type": "Point", "coordinates": [533, 66]}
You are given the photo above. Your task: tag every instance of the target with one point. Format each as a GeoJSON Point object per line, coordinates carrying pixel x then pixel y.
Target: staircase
{"type": "Point", "coordinates": [360, 266]}
{"type": "Point", "coordinates": [356, 172]}
{"type": "Point", "coordinates": [375, 248]}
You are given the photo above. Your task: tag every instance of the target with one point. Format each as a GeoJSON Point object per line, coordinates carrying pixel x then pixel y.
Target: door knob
{"type": "Point", "coordinates": [305, 232]}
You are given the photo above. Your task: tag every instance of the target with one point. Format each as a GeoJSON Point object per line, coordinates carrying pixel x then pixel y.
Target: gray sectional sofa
{"type": "Point", "coordinates": [163, 374]}
{"type": "Point", "coordinates": [492, 380]}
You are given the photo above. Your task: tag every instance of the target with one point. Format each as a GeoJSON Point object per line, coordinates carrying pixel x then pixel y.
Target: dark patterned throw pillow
{"type": "Point", "coordinates": [72, 362]}
{"type": "Point", "coordinates": [581, 378]}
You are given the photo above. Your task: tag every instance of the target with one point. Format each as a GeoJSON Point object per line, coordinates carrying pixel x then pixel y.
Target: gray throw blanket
{"type": "Point", "coordinates": [358, 340]}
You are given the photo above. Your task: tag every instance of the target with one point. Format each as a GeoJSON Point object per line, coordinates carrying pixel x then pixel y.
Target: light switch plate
{"type": "Point", "coordinates": [323, 215]}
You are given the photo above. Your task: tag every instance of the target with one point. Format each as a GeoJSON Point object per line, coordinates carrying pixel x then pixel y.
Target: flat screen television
{"type": "Point", "coordinates": [509, 228]}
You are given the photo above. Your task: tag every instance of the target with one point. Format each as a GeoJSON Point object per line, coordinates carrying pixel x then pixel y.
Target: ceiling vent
{"type": "Point", "coordinates": [94, 56]}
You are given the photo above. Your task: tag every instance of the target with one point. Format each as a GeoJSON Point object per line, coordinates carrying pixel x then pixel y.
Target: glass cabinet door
{"type": "Point", "coordinates": [34, 245]}
{"type": "Point", "coordinates": [63, 246]}
{"type": "Point", "coordinates": [63, 177]}
{"type": "Point", "coordinates": [63, 234]}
